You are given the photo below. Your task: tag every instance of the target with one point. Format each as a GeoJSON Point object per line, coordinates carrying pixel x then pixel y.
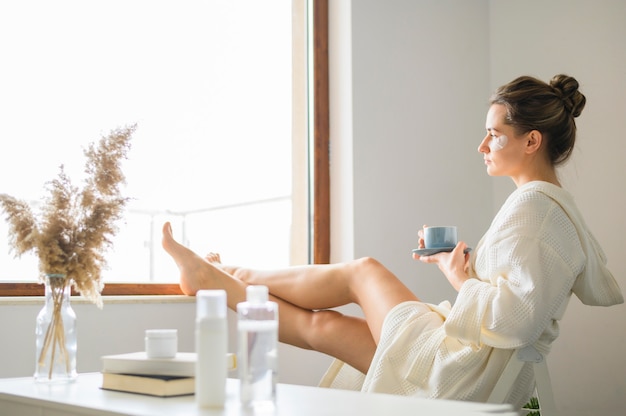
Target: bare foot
{"type": "Point", "coordinates": [233, 271]}
{"type": "Point", "coordinates": [213, 258]}
{"type": "Point", "coordinates": [196, 273]}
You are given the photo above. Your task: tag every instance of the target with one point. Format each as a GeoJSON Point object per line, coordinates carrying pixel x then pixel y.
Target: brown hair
{"type": "Point", "coordinates": [531, 104]}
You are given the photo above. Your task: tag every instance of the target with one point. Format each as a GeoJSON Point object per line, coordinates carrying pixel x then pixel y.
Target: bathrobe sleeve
{"type": "Point", "coordinates": [526, 265]}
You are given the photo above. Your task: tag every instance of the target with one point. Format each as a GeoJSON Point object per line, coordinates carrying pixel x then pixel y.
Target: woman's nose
{"type": "Point", "coordinates": [483, 147]}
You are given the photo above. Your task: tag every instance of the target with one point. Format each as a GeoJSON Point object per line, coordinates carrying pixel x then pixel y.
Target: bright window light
{"type": "Point", "coordinates": [209, 85]}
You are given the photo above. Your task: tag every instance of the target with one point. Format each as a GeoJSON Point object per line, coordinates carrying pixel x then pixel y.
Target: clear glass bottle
{"type": "Point", "coordinates": [55, 334]}
{"type": "Point", "coordinates": [257, 357]}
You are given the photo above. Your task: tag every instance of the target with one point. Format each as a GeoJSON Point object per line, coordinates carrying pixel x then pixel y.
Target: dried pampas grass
{"type": "Point", "coordinates": [75, 226]}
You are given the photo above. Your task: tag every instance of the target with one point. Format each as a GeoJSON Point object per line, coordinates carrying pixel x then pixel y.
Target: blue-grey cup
{"type": "Point", "coordinates": [440, 237]}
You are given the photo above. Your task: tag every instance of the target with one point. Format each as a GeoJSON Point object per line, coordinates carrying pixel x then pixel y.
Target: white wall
{"type": "Point", "coordinates": [119, 327]}
{"type": "Point", "coordinates": [410, 81]}
{"type": "Point", "coordinates": [422, 72]}
{"type": "Point", "coordinates": [419, 83]}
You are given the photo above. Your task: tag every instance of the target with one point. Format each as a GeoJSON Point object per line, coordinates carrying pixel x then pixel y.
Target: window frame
{"type": "Point", "coordinates": [320, 193]}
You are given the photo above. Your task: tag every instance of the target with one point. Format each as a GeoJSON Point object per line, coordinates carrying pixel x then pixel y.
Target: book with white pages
{"type": "Point", "coordinates": [152, 385]}
{"type": "Point", "coordinates": [181, 365]}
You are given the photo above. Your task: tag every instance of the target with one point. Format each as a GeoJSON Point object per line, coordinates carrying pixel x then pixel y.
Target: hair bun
{"type": "Point", "coordinates": [566, 88]}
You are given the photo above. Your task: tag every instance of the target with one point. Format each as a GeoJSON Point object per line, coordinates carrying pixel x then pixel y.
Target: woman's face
{"type": "Point", "coordinates": [502, 149]}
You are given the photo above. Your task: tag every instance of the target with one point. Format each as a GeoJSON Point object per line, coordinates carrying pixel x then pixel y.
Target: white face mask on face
{"type": "Point", "coordinates": [497, 143]}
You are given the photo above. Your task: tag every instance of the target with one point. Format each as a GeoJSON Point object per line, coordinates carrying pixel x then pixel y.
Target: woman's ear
{"type": "Point", "coordinates": [534, 140]}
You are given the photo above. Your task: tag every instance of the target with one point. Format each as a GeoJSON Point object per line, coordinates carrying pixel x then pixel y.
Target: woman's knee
{"type": "Point", "coordinates": [368, 269]}
{"type": "Point", "coordinates": [364, 267]}
{"type": "Point", "coordinates": [368, 263]}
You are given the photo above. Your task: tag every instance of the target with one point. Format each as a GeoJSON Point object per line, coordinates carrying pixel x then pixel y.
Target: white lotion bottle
{"type": "Point", "coordinates": [211, 348]}
{"type": "Point", "coordinates": [257, 357]}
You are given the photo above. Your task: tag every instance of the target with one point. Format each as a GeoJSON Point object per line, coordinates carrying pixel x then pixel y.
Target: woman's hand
{"type": "Point", "coordinates": [453, 265]}
{"type": "Point", "coordinates": [420, 239]}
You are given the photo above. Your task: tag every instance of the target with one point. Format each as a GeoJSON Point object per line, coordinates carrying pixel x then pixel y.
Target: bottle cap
{"type": "Point", "coordinates": [161, 333]}
{"type": "Point", "coordinates": [257, 294]}
{"type": "Point", "coordinates": [211, 304]}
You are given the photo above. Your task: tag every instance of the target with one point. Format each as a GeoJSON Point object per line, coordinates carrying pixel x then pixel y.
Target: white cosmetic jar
{"type": "Point", "coordinates": [161, 343]}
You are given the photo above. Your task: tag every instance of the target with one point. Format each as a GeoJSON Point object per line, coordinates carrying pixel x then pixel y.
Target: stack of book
{"type": "Point", "coordinates": [136, 373]}
{"type": "Point", "coordinates": [163, 377]}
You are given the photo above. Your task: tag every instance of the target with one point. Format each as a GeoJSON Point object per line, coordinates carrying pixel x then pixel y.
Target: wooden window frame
{"type": "Point", "coordinates": [321, 135]}
{"type": "Point", "coordinates": [321, 175]}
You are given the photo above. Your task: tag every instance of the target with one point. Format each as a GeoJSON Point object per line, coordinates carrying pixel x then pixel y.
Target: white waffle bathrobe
{"type": "Point", "coordinates": [536, 253]}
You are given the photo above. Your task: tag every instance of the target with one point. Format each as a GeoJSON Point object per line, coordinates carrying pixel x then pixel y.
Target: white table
{"type": "Point", "coordinates": [23, 397]}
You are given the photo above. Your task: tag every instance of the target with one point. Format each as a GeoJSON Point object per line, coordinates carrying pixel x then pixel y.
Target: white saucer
{"type": "Point", "coordinates": [431, 251]}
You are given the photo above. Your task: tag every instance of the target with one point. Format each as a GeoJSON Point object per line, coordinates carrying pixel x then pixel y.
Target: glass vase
{"type": "Point", "coordinates": [55, 334]}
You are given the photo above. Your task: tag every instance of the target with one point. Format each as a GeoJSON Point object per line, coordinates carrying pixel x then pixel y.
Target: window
{"type": "Point", "coordinates": [160, 51]}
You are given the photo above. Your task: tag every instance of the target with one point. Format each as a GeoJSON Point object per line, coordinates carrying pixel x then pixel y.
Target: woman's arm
{"type": "Point", "coordinates": [530, 280]}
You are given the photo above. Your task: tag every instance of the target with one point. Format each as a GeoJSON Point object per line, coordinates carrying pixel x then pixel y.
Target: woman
{"type": "Point", "coordinates": [512, 289]}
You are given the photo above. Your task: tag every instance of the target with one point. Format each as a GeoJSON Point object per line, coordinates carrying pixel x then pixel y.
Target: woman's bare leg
{"type": "Point", "coordinates": [301, 290]}
{"type": "Point", "coordinates": [343, 337]}
{"type": "Point", "coordinates": [365, 282]}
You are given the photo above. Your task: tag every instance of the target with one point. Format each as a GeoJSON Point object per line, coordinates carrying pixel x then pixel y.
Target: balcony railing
{"type": "Point", "coordinates": [141, 232]}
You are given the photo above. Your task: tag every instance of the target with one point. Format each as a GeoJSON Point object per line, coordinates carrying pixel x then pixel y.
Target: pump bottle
{"type": "Point", "coordinates": [211, 348]}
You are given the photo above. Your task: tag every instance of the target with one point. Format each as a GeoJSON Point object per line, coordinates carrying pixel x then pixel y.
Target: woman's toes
{"type": "Point", "coordinates": [213, 258]}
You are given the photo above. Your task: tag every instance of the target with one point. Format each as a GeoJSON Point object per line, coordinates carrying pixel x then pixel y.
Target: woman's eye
{"type": "Point", "coordinates": [497, 142]}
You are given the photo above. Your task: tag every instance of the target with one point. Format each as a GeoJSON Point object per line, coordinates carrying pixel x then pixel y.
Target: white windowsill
{"type": "Point", "coordinates": [78, 300]}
